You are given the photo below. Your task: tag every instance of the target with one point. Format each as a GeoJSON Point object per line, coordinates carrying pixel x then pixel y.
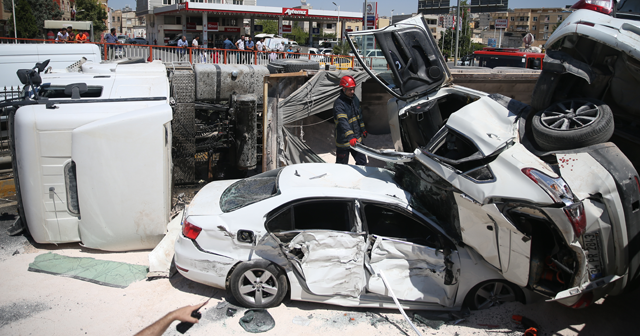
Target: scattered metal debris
{"type": "Point", "coordinates": [257, 321]}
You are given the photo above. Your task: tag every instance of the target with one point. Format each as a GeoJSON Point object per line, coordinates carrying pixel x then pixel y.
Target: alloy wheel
{"type": "Point", "coordinates": [258, 286]}
{"type": "Point", "coordinates": [493, 294]}
{"type": "Point", "coordinates": [570, 115]}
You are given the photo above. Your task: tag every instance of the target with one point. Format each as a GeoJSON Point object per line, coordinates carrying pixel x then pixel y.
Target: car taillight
{"type": "Point", "coordinates": [585, 301]}
{"type": "Point", "coordinates": [189, 230]}
{"type": "Point", "coordinates": [601, 6]}
{"type": "Point", "coordinates": [555, 187]}
{"type": "Point", "coordinates": [578, 219]}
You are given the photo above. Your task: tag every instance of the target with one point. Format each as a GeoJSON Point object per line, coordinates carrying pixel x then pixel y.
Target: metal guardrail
{"type": "Point", "coordinates": [169, 54]}
{"type": "Point", "coordinates": [6, 93]}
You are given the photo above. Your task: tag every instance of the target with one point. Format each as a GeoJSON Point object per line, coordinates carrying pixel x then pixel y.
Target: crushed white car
{"type": "Point", "coordinates": [325, 233]}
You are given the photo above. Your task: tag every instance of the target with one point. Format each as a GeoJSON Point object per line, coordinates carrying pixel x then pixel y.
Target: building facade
{"type": "Point", "coordinates": [540, 22]}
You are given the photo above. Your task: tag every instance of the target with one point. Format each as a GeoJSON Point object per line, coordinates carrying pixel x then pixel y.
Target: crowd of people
{"type": "Point", "coordinates": [244, 43]}
{"type": "Point", "coordinates": [68, 35]}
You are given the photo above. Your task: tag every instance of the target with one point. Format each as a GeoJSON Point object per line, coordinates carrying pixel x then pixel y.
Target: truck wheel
{"type": "Point", "coordinates": [258, 284]}
{"type": "Point", "coordinates": [572, 124]}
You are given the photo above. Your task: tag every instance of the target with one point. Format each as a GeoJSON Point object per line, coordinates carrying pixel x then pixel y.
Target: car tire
{"type": "Point", "coordinates": [593, 124]}
{"type": "Point", "coordinates": [258, 284]}
{"type": "Point", "coordinates": [544, 90]}
{"type": "Point", "coordinates": [491, 293]}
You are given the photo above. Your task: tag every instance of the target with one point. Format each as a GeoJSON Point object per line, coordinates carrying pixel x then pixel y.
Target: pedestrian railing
{"type": "Point", "coordinates": [168, 54]}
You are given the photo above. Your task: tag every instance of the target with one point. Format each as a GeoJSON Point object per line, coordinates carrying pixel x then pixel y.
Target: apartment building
{"type": "Point", "coordinates": [538, 21]}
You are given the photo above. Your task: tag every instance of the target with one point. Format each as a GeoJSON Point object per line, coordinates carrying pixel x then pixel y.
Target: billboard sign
{"type": "Point", "coordinates": [315, 31]}
{"type": "Point", "coordinates": [191, 25]}
{"type": "Point", "coordinates": [492, 42]}
{"type": "Point", "coordinates": [501, 23]}
{"type": "Point", "coordinates": [232, 29]}
{"type": "Point", "coordinates": [257, 28]}
{"type": "Point", "coordinates": [286, 28]}
{"type": "Point", "coordinates": [489, 6]}
{"type": "Point", "coordinates": [371, 13]}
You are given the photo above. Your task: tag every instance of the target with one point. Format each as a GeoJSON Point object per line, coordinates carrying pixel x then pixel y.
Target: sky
{"type": "Point", "coordinates": [384, 6]}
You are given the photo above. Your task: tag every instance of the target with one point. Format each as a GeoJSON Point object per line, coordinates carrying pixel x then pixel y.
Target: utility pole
{"type": "Point", "coordinates": [338, 22]}
{"type": "Point", "coordinates": [455, 59]}
{"type": "Point", "coordinates": [391, 19]}
{"type": "Point", "coordinates": [15, 29]}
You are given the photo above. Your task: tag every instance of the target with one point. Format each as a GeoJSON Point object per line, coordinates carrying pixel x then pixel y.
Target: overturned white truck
{"type": "Point", "coordinates": [97, 147]}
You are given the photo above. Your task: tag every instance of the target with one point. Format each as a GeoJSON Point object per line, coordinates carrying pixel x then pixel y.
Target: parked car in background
{"type": "Point", "coordinates": [561, 223]}
{"type": "Point", "coordinates": [490, 57]}
{"type": "Point", "coordinates": [122, 38]}
{"type": "Point", "coordinates": [174, 41]}
{"type": "Point", "coordinates": [137, 40]}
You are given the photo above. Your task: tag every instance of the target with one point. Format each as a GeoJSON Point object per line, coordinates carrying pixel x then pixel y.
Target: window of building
{"type": "Point", "coordinates": [545, 36]}
{"type": "Point", "coordinates": [128, 21]}
{"type": "Point", "coordinates": [166, 2]}
{"type": "Point", "coordinates": [546, 28]}
{"type": "Point", "coordinates": [118, 19]}
{"type": "Point", "coordinates": [357, 28]}
{"type": "Point", "coordinates": [535, 19]}
{"type": "Point", "coordinates": [546, 18]}
{"type": "Point", "coordinates": [559, 18]}
{"type": "Point", "coordinates": [348, 27]}
{"type": "Point", "coordinates": [238, 2]}
{"type": "Point", "coordinates": [533, 28]}
{"type": "Point", "coordinates": [329, 25]}
{"type": "Point", "coordinates": [229, 22]}
{"type": "Point", "coordinates": [513, 18]}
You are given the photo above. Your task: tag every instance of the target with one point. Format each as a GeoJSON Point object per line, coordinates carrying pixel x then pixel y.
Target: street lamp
{"type": "Point", "coordinates": [338, 21]}
{"type": "Point", "coordinates": [391, 20]}
{"type": "Point", "coordinates": [15, 29]}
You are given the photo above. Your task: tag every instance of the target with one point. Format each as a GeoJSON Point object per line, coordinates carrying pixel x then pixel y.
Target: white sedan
{"type": "Point", "coordinates": [328, 233]}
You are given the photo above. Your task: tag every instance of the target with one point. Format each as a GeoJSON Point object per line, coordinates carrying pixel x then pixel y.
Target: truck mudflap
{"type": "Point", "coordinates": [572, 296]}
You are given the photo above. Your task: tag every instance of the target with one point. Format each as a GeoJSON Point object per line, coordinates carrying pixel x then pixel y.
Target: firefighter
{"type": "Point", "coordinates": [349, 123]}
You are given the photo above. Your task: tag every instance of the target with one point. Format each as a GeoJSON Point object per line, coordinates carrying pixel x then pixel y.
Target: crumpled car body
{"type": "Point", "coordinates": [561, 223]}
{"type": "Point", "coordinates": [331, 230]}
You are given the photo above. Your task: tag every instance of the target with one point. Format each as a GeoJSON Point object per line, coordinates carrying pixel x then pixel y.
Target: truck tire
{"type": "Point", "coordinates": [294, 65]}
{"type": "Point", "coordinates": [573, 123]}
{"type": "Point", "coordinates": [275, 68]}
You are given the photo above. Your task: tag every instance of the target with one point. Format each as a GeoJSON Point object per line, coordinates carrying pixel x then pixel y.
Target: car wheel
{"type": "Point", "coordinates": [492, 293]}
{"type": "Point", "coordinates": [572, 124]}
{"type": "Point", "coordinates": [258, 284]}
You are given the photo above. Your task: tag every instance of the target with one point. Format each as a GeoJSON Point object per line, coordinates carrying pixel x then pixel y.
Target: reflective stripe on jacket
{"type": "Point", "coordinates": [348, 118]}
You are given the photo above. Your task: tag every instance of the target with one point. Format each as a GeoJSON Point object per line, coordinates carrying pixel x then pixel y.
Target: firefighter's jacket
{"type": "Point", "coordinates": [348, 118]}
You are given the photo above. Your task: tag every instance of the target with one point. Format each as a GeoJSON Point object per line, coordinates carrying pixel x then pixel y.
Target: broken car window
{"type": "Point", "coordinates": [390, 223]}
{"type": "Point", "coordinates": [250, 190]}
{"type": "Point", "coordinates": [322, 215]}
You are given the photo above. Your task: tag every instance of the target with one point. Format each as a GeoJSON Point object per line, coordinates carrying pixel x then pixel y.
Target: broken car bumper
{"type": "Point", "coordinates": [199, 266]}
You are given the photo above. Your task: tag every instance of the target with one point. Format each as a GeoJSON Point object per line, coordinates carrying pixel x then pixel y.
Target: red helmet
{"type": "Point", "coordinates": [348, 82]}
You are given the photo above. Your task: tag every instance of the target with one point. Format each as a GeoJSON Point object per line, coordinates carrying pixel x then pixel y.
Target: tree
{"type": "Point", "coordinates": [25, 21]}
{"type": "Point", "coordinates": [91, 10]}
{"type": "Point", "coordinates": [342, 48]}
{"type": "Point", "coordinates": [41, 10]}
{"type": "Point", "coordinates": [465, 47]}
{"type": "Point", "coordinates": [268, 26]}
{"type": "Point", "coordinates": [299, 35]}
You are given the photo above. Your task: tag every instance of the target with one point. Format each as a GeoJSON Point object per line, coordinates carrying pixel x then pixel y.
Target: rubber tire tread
{"type": "Point", "coordinates": [295, 65]}
{"type": "Point", "coordinates": [469, 302]}
{"type": "Point", "coordinates": [283, 284]}
{"type": "Point", "coordinates": [544, 90]}
{"type": "Point", "coordinates": [598, 132]}
{"type": "Point", "coordinates": [275, 68]}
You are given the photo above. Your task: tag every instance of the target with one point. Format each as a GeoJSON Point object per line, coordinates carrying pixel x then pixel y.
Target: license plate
{"type": "Point", "coordinates": [594, 261]}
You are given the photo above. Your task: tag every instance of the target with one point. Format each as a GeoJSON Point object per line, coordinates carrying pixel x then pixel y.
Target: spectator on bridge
{"type": "Point", "coordinates": [111, 38]}
{"type": "Point", "coordinates": [70, 34]}
{"type": "Point", "coordinates": [227, 44]}
{"type": "Point", "coordinates": [62, 35]}
{"type": "Point", "coordinates": [82, 37]}
{"type": "Point", "coordinates": [183, 45]}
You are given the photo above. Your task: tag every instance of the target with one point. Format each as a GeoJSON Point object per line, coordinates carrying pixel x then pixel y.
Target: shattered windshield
{"type": "Point", "coordinates": [250, 190]}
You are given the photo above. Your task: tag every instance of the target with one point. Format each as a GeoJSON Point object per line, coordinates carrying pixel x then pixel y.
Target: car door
{"type": "Point", "coordinates": [452, 196]}
{"type": "Point", "coordinates": [417, 260]}
{"type": "Point", "coordinates": [324, 243]}
{"type": "Point", "coordinates": [415, 64]}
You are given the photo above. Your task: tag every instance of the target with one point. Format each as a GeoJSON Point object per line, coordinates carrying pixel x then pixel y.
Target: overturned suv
{"type": "Point", "coordinates": [561, 221]}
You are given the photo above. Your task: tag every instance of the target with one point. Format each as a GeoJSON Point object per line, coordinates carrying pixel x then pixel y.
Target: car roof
{"type": "Point", "coordinates": [340, 180]}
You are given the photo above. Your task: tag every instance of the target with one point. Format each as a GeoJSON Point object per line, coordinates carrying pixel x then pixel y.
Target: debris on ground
{"type": "Point", "coordinates": [431, 323]}
{"type": "Point", "coordinates": [101, 272]}
{"type": "Point", "coordinates": [231, 311]}
{"type": "Point", "coordinates": [301, 320]}
{"type": "Point", "coordinates": [257, 321]}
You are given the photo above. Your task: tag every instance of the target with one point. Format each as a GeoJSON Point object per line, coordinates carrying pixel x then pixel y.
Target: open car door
{"type": "Point", "coordinates": [415, 64]}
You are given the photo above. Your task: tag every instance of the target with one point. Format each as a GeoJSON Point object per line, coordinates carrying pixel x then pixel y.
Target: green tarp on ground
{"type": "Point", "coordinates": [102, 272]}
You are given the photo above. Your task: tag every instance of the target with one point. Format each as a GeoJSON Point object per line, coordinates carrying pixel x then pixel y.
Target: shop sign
{"type": "Point", "coordinates": [232, 29]}
{"type": "Point", "coordinates": [295, 11]}
{"type": "Point", "coordinates": [212, 26]}
{"type": "Point", "coordinates": [286, 28]}
{"type": "Point", "coordinates": [191, 25]}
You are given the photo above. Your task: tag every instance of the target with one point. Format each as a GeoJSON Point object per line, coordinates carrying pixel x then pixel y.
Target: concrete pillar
{"type": "Point", "coordinates": [280, 25]}
{"type": "Point", "coordinates": [205, 30]}
{"type": "Point", "coordinates": [184, 23]}
{"type": "Point", "coordinates": [310, 34]}
{"type": "Point", "coordinates": [251, 24]}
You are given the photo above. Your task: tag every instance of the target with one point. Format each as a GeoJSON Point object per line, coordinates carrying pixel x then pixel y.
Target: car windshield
{"type": "Point", "coordinates": [628, 9]}
{"type": "Point", "coordinates": [250, 190]}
